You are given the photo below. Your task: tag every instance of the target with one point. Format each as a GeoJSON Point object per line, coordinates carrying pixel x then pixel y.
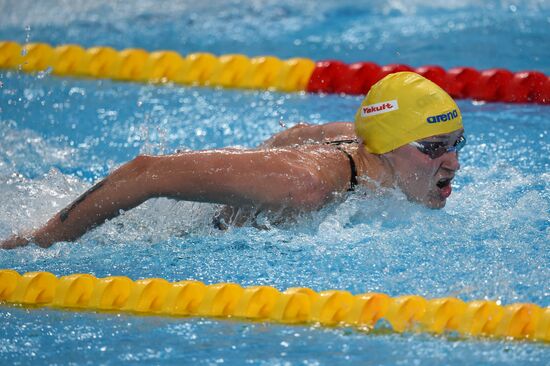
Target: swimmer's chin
{"type": "Point", "coordinates": [435, 204]}
{"type": "Point", "coordinates": [430, 202]}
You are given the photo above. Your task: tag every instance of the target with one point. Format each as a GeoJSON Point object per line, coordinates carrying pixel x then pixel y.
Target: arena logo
{"type": "Point", "coordinates": [443, 117]}
{"type": "Point", "coordinates": [378, 108]}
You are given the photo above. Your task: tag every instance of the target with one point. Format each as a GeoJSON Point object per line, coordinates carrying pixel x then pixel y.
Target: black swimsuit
{"type": "Point", "coordinates": [353, 178]}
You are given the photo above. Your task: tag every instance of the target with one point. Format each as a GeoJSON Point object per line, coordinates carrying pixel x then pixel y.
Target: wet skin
{"type": "Point", "coordinates": [417, 175]}
{"type": "Point", "coordinates": [293, 171]}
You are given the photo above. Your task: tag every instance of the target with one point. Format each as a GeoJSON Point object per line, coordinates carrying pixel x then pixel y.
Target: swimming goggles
{"type": "Point", "coordinates": [436, 149]}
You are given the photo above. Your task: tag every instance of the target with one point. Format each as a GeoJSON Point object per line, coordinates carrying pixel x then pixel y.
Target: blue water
{"type": "Point", "coordinates": [59, 135]}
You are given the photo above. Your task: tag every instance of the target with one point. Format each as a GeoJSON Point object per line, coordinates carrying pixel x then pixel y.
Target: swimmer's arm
{"type": "Point", "coordinates": [121, 190]}
{"type": "Point", "coordinates": [308, 134]}
{"type": "Point", "coordinates": [266, 179]}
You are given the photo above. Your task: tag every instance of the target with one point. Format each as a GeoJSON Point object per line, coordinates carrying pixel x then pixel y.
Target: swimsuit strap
{"type": "Point", "coordinates": [341, 142]}
{"type": "Point", "coordinates": [353, 179]}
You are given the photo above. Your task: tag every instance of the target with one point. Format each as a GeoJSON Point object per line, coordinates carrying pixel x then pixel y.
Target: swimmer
{"type": "Point", "coordinates": [407, 135]}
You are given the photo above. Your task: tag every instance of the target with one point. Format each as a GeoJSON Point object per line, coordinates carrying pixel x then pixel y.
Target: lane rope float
{"type": "Point", "coordinates": [202, 69]}
{"type": "Point", "coordinates": [266, 303]}
{"type": "Point", "coordinates": [266, 72]}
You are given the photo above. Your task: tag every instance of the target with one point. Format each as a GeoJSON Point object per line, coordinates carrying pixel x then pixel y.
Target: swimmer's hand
{"type": "Point", "coordinates": [26, 238]}
{"type": "Point", "coordinates": [14, 241]}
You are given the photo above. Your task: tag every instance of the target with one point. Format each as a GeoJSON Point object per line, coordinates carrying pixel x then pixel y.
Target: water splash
{"type": "Point", "coordinates": [491, 241]}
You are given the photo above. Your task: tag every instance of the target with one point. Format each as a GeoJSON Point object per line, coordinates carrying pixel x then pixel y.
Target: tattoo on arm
{"type": "Point", "coordinates": [64, 214]}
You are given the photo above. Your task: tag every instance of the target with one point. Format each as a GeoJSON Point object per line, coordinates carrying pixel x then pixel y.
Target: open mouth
{"type": "Point", "coordinates": [445, 189]}
{"type": "Point", "coordinates": [443, 182]}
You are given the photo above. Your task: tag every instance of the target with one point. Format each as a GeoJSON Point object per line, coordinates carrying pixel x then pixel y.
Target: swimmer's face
{"type": "Point", "coordinates": [423, 179]}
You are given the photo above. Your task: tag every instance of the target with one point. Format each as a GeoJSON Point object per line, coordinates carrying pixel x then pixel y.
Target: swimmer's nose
{"type": "Point", "coordinates": [450, 161]}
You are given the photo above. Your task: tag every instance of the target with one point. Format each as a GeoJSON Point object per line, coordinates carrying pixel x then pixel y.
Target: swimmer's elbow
{"type": "Point", "coordinates": [141, 163]}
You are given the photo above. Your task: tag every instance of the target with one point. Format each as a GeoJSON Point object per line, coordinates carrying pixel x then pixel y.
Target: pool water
{"type": "Point", "coordinates": [59, 135]}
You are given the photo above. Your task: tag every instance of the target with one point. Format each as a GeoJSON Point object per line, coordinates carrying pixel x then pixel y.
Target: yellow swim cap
{"type": "Point", "coordinates": [402, 108]}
